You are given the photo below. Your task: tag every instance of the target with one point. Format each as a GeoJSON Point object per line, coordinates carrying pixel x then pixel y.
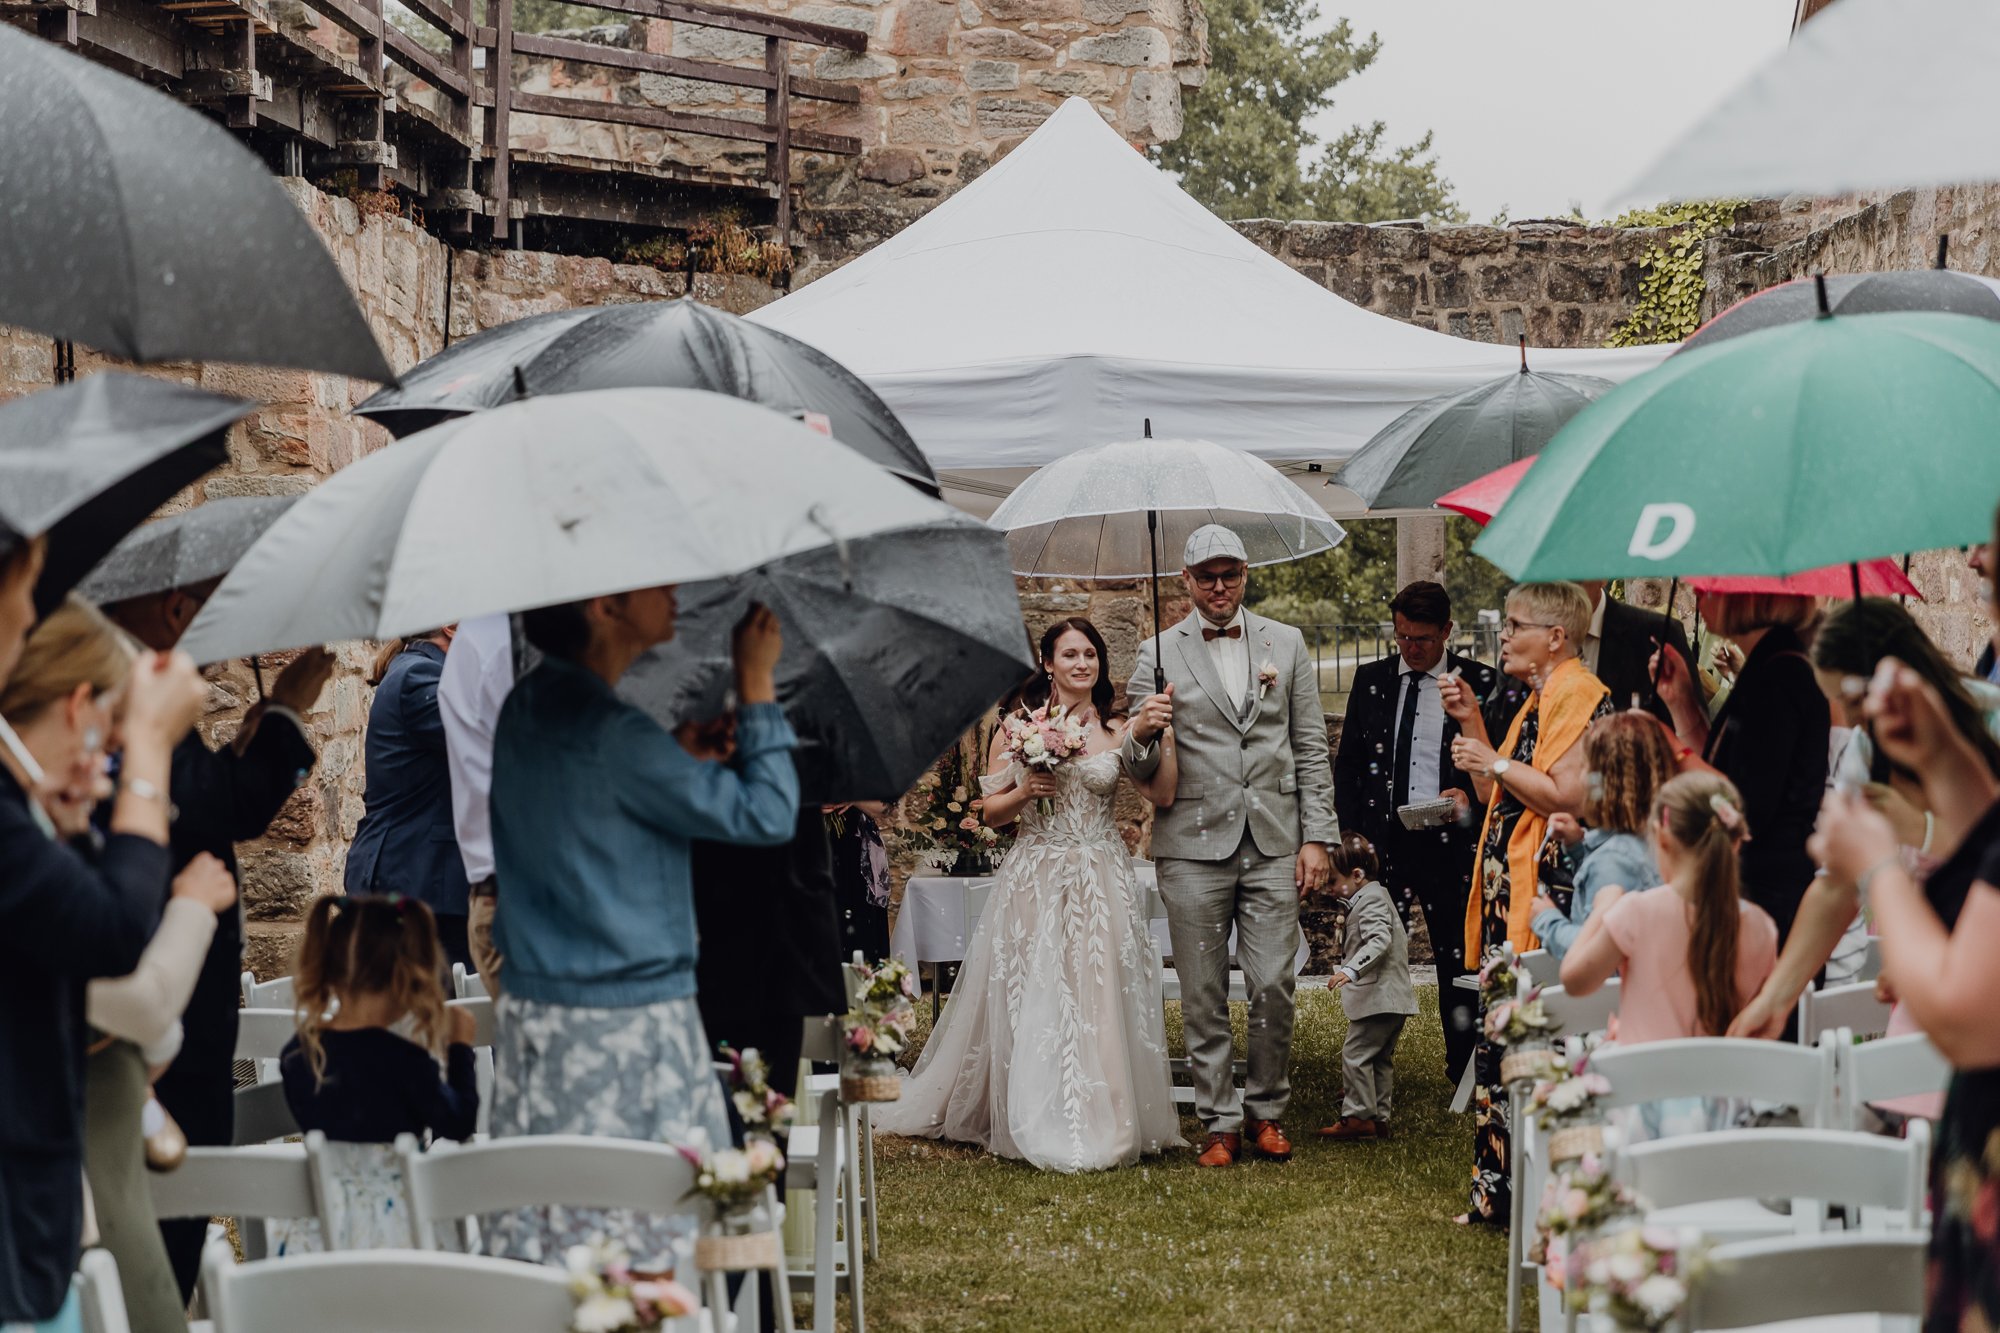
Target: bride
{"type": "Point", "coordinates": [1052, 1047]}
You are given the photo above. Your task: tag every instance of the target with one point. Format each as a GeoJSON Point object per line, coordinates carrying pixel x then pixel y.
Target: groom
{"type": "Point", "coordinates": [1245, 838]}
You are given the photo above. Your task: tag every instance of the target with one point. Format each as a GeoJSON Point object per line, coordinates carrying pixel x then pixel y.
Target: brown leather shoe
{"type": "Point", "coordinates": [1220, 1150]}
{"type": "Point", "coordinates": [1266, 1137]}
{"type": "Point", "coordinates": [1349, 1129]}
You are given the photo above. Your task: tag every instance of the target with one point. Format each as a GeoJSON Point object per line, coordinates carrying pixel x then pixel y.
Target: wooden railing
{"type": "Point", "coordinates": [208, 50]}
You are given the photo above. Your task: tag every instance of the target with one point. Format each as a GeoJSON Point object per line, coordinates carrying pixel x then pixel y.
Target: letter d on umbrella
{"type": "Point", "coordinates": [1649, 542]}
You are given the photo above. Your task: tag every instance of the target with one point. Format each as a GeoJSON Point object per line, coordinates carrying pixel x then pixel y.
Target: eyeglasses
{"type": "Point", "coordinates": [1228, 578]}
{"type": "Point", "coordinates": [1510, 626]}
{"type": "Point", "coordinates": [1419, 640]}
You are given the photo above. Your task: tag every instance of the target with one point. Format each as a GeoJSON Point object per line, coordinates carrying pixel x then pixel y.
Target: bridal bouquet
{"type": "Point", "coordinates": [611, 1298]}
{"type": "Point", "coordinates": [1044, 739]}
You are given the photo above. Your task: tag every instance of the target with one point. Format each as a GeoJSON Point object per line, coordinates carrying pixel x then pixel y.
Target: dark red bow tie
{"type": "Point", "coordinates": [1211, 635]}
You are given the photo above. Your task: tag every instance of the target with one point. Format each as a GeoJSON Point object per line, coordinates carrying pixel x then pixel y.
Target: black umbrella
{"type": "Point", "coordinates": [652, 345]}
{"type": "Point", "coordinates": [893, 648]}
{"type": "Point", "coordinates": [138, 227]}
{"type": "Point", "coordinates": [88, 462]}
{"type": "Point", "coordinates": [1854, 294]}
{"type": "Point", "coordinates": [184, 549]}
{"type": "Point", "coordinates": [1442, 443]}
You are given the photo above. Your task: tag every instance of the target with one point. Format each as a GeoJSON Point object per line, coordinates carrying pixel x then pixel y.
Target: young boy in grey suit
{"type": "Point", "coordinates": [1375, 991]}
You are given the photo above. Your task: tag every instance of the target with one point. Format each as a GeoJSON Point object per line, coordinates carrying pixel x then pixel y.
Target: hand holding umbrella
{"type": "Point", "coordinates": [1154, 716]}
{"type": "Point", "coordinates": [297, 688]}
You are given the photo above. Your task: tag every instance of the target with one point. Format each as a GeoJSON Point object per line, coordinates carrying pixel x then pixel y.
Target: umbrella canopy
{"type": "Point", "coordinates": [1878, 578]}
{"type": "Point", "coordinates": [1855, 294]}
{"type": "Point", "coordinates": [1870, 95]}
{"type": "Point", "coordinates": [888, 659]}
{"type": "Point", "coordinates": [1085, 515]}
{"type": "Point", "coordinates": [1814, 444]}
{"type": "Point", "coordinates": [1481, 499]}
{"type": "Point", "coordinates": [1451, 439]}
{"type": "Point", "coordinates": [145, 230]}
{"type": "Point", "coordinates": [88, 462]}
{"type": "Point", "coordinates": [184, 549]}
{"type": "Point", "coordinates": [546, 501]}
{"type": "Point", "coordinates": [652, 345]}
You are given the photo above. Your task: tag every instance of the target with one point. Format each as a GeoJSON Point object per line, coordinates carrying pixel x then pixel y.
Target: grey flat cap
{"type": "Point", "coordinates": [1213, 542]}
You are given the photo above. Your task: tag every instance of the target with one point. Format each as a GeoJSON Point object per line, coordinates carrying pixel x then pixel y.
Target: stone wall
{"type": "Point", "coordinates": [303, 432]}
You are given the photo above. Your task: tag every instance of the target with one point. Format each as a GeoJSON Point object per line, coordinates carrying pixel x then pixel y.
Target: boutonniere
{"type": "Point", "coordinates": [1267, 676]}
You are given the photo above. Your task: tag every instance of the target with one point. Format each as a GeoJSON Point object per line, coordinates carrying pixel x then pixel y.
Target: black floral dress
{"type": "Point", "coordinates": [1491, 1143]}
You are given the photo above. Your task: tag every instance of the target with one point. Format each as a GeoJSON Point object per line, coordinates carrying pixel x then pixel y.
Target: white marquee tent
{"type": "Point", "coordinates": [1074, 291]}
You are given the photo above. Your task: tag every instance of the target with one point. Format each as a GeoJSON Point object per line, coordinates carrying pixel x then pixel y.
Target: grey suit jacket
{"type": "Point", "coordinates": [1268, 771]}
{"type": "Point", "coordinates": [1376, 947]}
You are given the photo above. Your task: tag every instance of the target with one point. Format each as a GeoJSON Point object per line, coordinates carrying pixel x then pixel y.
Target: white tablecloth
{"type": "Point", "coordinates": [932, 926]}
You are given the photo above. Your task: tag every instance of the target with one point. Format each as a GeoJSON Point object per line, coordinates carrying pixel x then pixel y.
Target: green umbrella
{"type": "Point", "coordinates": [1835, 440]}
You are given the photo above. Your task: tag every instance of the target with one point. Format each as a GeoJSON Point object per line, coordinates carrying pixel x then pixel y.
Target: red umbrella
{"type": "Point", "coordinates": [1480, 500]}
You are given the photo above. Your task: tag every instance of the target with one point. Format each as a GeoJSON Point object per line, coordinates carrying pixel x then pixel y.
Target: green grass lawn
{"type": "Point", "coordinates": [1350, 1236]}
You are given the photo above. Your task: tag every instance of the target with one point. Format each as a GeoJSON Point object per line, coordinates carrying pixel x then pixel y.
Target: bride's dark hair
{"type": "Point", "coordinates": [1103, 694]}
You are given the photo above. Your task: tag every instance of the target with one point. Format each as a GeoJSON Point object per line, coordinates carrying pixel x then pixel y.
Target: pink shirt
{"type": "Point", "coordinates": [1657, 999]}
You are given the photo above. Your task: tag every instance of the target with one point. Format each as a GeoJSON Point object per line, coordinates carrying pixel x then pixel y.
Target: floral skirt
{"type": "Point", "coordinates": [644, 1072]}
{"type": "Point", "coordinates": [1963, 1284]}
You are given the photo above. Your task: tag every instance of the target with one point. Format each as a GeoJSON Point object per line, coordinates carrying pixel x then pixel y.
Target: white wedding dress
{"type": "Point", "coordinates": [1052, 1047]}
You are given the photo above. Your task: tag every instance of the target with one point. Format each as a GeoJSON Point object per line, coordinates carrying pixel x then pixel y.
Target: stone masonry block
{"type": "Point", "coordinates": [719, 44]}
{"type": "Point", "coordinates": [665, 90]}
{"type": "Point", "coordinates": [834, 16]}
{"type": "Point", "coordinates": [1129, 47]}
{"type": "Point", "coordinates": [921, 125]}
{"type": "Point", "coordinates": [854, 65]}
{"type": "Point", "coordinates": [993, 75]}
{"type": "Point", "coordinates": [923, 27]}
{"type": "Point", "coordinates": [999, 116]}
{"type": "Point", "coordinates": [1153, 107]}
{"type": "Point", "coordinates": [1004, 43]}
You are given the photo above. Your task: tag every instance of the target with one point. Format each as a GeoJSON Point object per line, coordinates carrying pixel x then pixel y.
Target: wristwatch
{"type": "Point", "coordinates": [1500, 767]}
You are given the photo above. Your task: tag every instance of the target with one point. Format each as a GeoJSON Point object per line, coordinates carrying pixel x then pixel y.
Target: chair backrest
{"type": "Point", "coordinates": [822, 1041]}
{"type": "Point", "coordinates": [976, 895]}
{"type": "Point", "coordinates": [452, 1181]}
{"type": "Point", "coordinates": [1580, 1015]}
{"type": "Point", "coordinates": [261, 1034]}
{"type": "Point", "coordinates": [481, 1009]}
{"type": "Point", "coordinates": [262, 1114]}
{"type": "Point", "coordinates": [263, 1181]}
{"type": "Point", "coordinates": [382, 1291]}
{"type": "Point", "coordinates": [1804, 1277]}
{"type": "Point", "coordinates": [100, 1296]}
{"type": "Point", "coordinates": [1767, 1071]}
{"type": "Point", "coordinates": [1853, 1007]}
{"type": "Point", "coordinates": [1888, 1067]}
{"type": "Point", "coordinates": [274, 994]}
{"type": "Point", "coordinates": [1536, 964]}
{"type": "Point", "coordinates": [1827, 1166]}
{"type": "Point", "coordinates": [466, 985]}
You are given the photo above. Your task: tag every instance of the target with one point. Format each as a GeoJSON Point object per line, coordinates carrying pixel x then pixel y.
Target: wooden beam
{"type": "Point", "coordinates": [412, 56]}
{"type": "Point", "coordinates": [705, 71]}
{"type": "Point", "coordinates": [740, 20]}
{"type": "Point", "coordinates": [778, 120]}
{"type": "Point", "coordinates": [439, 16]}
{"type": "Point", "coordinates": [717, 127]}
{"type": "Point", "coordinates": [500, 82]}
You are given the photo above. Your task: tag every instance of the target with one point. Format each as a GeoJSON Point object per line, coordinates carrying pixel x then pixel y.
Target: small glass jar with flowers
{"type": "Point", "coordinates": [879, 1026]}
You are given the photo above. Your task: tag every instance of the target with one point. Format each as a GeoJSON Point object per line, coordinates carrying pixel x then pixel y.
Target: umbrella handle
{"type": "Point", "coordinates": [1153, 553]}
{"type": "Point", "coordinates": [1673, 593]}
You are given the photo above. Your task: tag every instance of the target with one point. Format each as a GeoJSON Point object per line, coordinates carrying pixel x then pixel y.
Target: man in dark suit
{"type": "Point", "coordinates": [1620, 646]}
{"type": "Point", "coordinates": [406, 842]}
{"type": "Point", "coordinates": [1395, 750]}
{"type": "Point", "coordinates": [221, 797]}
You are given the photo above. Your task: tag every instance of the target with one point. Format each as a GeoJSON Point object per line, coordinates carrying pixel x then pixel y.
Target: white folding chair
{"type": "Point", "coordinates": [382, 1291]}
{"type": "Point", "coordinates": [466, 985]}
{"type": "Point", "coordinates": [262, 1114]}
{"type": "Point", "coordinates": [483, 1029]}
{"type": "Point", "coordinates": [1689, 1176]}
{"type": "Point", "coordinates": [860, 1127]}
{"type": "Point", "coordinates": [1853, 1007]}
{"type": "Point", "coordinates": [1871, 961]}
{"type": "Point", "coordinates": [274, 994]}
{"type": "Point", "coordinates": [261, 1035]}
{"type": "Point", "coordinates": [817, 1159]}
{"type": "Point", "coordinates": [100, 1296]}
{"type": "Point", "coordinates": [1538, 967]}
{"type": "Point", "coordinates": [1888, 1067]}
{"type": "Point", "coordinates": [1763, 1071]}
{"type": "Point", "coordinates": [1807, 1277]}
{"type": "Point", "coordinates": [254, 1185]}
{"type": "Point", "coordinates": [1582, 1015]}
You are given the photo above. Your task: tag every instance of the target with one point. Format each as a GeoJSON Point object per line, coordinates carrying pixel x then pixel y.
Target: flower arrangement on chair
{"type": "Point", "coordinates": [1515, 1020]}
{"type": "Point", "coordinates": [1577, 1200]}
{"type": "Point", "coordinates": [1637, 1276]}
{"type": "Point", "coordinates": [1564, 1104]}
{"type": "Point", "coordinates": [763, 1109]}
{"type": "Point", "coordinates": [878, 1028]}
{"type": "Point", "coordinates": [611, 1298]}
{"type": "Point", "coordinates": [739, 1181]}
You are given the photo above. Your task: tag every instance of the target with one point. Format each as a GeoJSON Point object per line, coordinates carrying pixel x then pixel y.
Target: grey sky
{"type": "Point", "coordinates": [1538, 103]}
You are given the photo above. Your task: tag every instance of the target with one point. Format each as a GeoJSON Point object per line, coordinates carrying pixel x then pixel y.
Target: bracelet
{"type": "Point", "coordinates": [144, 790]}
{"type": "Point", "coordinates": [1867, 877]}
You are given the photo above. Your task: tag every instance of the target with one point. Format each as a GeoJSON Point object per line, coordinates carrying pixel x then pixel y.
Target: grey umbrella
{"type": "Point", "coordinates": [88, 462]}
{"type": "Point", "coordinates": [1444, 442]}
{"type": "Point", "coordinates": [184, 549]}
{"type": "Point", "coordinates": [651, 345]}
{"type": "Point", "coordinates": [889, 656]}
{"type": "Point", "coordinates": [138, 227]}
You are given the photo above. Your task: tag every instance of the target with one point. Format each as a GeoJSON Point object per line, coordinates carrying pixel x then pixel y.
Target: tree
{"type": "Point", "coordinates": [1244, 150]}
{"type": "Point", "coordinates": [1352, 583]}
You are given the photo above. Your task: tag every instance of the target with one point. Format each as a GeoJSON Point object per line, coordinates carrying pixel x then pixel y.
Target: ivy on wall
{"type": "Point", "coordinates": [1670, 293]}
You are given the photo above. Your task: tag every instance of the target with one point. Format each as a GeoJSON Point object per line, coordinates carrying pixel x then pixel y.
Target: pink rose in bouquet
{"type": "Point", "coordinates": [1043, 739]}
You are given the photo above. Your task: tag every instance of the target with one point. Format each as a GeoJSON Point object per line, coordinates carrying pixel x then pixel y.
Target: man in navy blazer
{"type": "Point", "coordinates": [406, 842]}
{"type": "Point", "coordinates": [1395, 750]}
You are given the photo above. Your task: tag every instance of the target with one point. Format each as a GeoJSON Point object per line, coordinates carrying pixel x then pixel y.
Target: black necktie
{"type": "Point", "coordinates": [1406, 729]}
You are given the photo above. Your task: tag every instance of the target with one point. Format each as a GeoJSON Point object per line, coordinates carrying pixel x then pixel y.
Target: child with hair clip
{"type": "Point", "coordinates": [1692, 955]}
{"type": "Point", "coordinates": [1375, 991]}
{"type": "Point", "coordinates": [367, 974]}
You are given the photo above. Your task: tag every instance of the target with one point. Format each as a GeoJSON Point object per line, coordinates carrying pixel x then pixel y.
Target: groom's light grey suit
{"type": "Point", "coordinates": [1254, 784]}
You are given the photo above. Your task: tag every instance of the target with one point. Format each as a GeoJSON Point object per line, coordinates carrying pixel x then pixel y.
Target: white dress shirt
{"type": "Point", "coordinates": [1593, 642]}
{"type": "Point", "coordinates": [478, 673]}
{"type": "Point", "coordinates": [1231, 658]}
{"type": "Point", "coordinates": [1427, 739]}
